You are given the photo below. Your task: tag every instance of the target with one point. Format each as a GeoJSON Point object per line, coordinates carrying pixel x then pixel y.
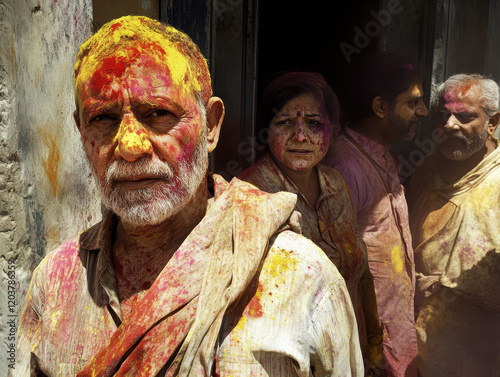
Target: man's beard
{"type": "Point", "coordinates": [155, 204]}
{"type": "Point", "coordinates": [470, 147]}
{"type": "Point", "coordinates": [404, 129]}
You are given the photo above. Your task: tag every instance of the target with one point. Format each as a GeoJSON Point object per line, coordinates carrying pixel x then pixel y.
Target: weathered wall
{"type": "Point", "coordinates": [46, 192]}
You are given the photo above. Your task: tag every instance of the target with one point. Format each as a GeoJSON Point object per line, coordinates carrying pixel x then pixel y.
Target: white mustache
{"type": "Point", "coordinates": [456, 137]}
{"type": "Point", "coordinates": [121, 169]}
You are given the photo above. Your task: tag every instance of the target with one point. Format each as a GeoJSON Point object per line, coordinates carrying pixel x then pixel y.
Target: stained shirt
{"type": "Point", "coordinates": [382, 214]}
{"type": "Point", "coordinates": [330, 224]}
{"type": "Point", "coordinates": [291, 315]}
{"type": "Point", "coordinates": [457, 260]}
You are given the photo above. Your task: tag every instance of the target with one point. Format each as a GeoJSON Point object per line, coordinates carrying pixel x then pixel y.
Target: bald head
{"type": "Point", "coordinates": [123, 41]}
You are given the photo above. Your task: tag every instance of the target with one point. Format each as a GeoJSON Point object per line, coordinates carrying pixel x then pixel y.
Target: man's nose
{"type": "Point", "coordinates": [451, 123]}
{"type": "Point", "coordinates": [132, 139]}
{"type": "Point", "coordinates": [422, 110]}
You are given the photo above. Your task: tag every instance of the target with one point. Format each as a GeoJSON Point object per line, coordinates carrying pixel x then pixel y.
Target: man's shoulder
{"type": "Point", "coordinates": [64, 252]}
{"type": "Point", "coordinates": [64, 257]}
{"type": "Point", "coordinates": [302, 258]}
{"type": "Point", "coordinates": [345, 157]}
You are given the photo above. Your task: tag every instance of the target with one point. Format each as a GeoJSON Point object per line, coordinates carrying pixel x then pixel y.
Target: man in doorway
{"type": "Point", "coordinates": [385, 106]}
{"type": "Point", "coordinates": [455, 222]}
{"type": "Point", "coordinates": [172, 282]}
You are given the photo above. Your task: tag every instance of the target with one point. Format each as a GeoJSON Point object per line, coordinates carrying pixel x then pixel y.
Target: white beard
{"type": "Point", "coordinates": [153, 205]}
{"type": "Point", "coordinates": [470, 148]}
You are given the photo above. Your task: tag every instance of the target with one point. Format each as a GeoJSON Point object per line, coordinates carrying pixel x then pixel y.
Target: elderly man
{"type": "Point", "coordinates": [455, 218]}
{"type": "Point", "coordinates": [386, 106]}
{"type": "Point", "coordinates": [170, 282]}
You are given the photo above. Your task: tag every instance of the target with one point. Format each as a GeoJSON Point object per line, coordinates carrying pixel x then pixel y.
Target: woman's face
{"type": "Point", "coordinates": [299, 134]}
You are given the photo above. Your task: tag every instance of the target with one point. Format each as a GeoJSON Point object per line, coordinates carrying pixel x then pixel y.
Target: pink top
{"type": "Point", "coordinates": [379, 201]}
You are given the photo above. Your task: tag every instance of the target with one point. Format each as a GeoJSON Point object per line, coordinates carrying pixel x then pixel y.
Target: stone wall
{"type": "Point", "coordinates": [46, 191]}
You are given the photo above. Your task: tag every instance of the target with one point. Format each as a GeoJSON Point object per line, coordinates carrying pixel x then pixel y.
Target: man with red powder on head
{"type": "Point", "coordinates": [175, 280]}
{"type": "Point", "coordinates": [454, 217]}
{"type": "Point", "coordinates": [386, 105]}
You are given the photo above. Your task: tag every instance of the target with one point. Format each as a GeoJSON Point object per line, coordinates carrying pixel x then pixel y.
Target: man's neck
{"type": "Point", "coordinates": [452, 171]}
{"type": "Point", "coordinates": [371, 128]}
{"type": "Point", "coordinates": [141, 253]}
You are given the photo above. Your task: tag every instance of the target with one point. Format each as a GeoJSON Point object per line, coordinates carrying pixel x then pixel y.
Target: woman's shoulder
{"type": "Point", "coordinates": [332, 177]}
{"type": "Point", "coordinates": [263, 174]}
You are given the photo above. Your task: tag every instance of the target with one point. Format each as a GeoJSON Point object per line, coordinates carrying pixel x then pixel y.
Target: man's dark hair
{"type": "Point", "coordinates": [385, 74]}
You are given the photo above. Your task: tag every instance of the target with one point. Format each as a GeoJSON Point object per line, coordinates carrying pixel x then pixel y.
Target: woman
{"type": "Point", "coordinates": [301, 112]}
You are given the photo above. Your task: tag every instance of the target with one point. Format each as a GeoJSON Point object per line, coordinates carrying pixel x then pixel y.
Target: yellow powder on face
{"type": "Point", "coordinates": [131, 140]}
{"type": "Point", "coordinates": [124, 41]}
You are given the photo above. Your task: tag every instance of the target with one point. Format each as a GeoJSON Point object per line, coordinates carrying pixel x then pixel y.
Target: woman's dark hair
{"type": "Point", "coordinates": [383, 73]}
{"type": "Point", "coordinates": [290, 85]}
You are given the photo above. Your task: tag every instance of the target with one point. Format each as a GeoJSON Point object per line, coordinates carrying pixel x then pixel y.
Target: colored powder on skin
{"type": "Point", "coordinates": [130, 138]}
{"type": "Point", "coordinates": [464, 89]}
{"type": "Point", "coordinates": [105, 61]}
{"type": "Point", "coordinates": [457, 94]}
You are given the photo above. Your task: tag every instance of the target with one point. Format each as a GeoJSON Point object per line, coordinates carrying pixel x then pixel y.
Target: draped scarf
{"type": "Point", "coordinates": [173, 329]}
{"type": "Point", "coordinates": [455, 228]}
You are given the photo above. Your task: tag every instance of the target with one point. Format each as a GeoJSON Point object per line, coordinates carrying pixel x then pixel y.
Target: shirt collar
{"type": "Point", "coordinates": [376, 151]}
{"type": "Point", "coordinates": [96, 248]}
{"type": "Point", "coordinates": [284, 183]}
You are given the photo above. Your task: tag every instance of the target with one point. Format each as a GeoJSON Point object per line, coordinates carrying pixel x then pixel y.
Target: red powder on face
{"type": "Point", "coordinates": [115, 26]}
{"type": "Point", "coordinates": [456, 94]}
{"type": "Point", "coordinates": [114, 65]}
{"type": "Point", "coordinates": [111, 68]}
{"type": "Point", "coordinates": [464, 89]}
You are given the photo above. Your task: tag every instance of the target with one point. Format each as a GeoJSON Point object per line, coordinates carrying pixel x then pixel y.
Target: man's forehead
{"type": "Point", "coordinates": [413, 91]}
{"type": "Point", "coordinates": [469, 92]}
{"type": "Point", "coordinates": [99, 69]}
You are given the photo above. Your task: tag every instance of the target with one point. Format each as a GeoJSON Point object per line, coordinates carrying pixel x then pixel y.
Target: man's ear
{"type": "Point", "coordinates": [380, 107]}
{"type": "Point", "coordinates": [215, 116]}
{"type": "Point", "coordinates": [493, 123]}
{"type": "Point", "coordinates": [76, 117]}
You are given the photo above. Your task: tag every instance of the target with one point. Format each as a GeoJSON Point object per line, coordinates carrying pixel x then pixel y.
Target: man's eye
{"type": "Point", "coordinates": [159, 113]}
{"type": "Point", "coordinates": [103, 118]}
{"type": "Point", "coordinates": [464, 118]}
{"type": "Point", "coordinates": [461, 117]}
{"type": "Point", "coordinates": [445, 115]}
